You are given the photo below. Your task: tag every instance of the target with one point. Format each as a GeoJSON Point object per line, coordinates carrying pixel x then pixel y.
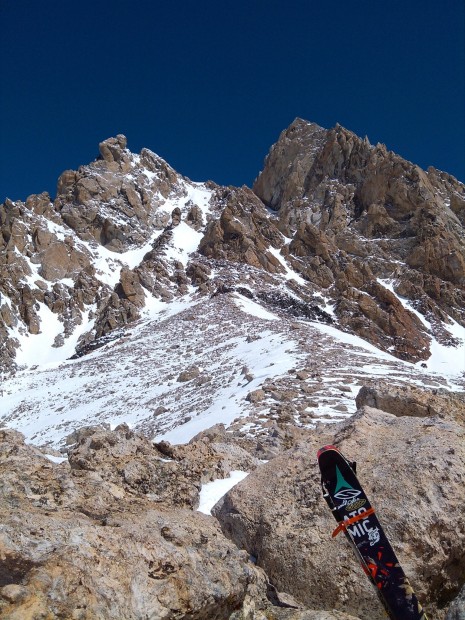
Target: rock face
{"type": "Point", "coordinates": [361, 218]}
{"type": "Point", "coordinates": [113, 200]}
{"type": "Point", "coordinates": [409, 400]}
{"type": "Point", "coordinates": [111, 536]}
{"type": "Point", "coordinates": [412, 468]}
{"type": "Point", "coordinates": [243, 233]}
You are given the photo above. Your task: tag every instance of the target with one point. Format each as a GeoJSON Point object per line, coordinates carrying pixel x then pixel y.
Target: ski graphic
{"type": "Point", "coordinates": [357, 519]}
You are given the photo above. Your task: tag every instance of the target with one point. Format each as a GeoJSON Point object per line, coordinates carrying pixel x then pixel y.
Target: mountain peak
{"type": "Point", "coordinates": [111, 149]}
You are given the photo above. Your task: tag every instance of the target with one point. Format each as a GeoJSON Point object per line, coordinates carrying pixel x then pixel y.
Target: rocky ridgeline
{"type": "Point", "coordinates": [358, 213]}
{"type": "Point", "coordinates": [352, 220]}
{"type": "Point", "coordinates": [50, 250]}
{"type": "Point", "coordinates": [113, 532]}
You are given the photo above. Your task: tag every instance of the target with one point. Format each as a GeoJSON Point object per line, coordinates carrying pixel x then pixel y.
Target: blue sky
{"type": "Point", "coordinates": [210, 85]}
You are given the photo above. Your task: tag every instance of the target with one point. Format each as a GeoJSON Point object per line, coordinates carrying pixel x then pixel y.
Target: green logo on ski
{"type": "Point", "coordinates": [340, 482]}
{"type": "Point", "coordinates": [343, 490]}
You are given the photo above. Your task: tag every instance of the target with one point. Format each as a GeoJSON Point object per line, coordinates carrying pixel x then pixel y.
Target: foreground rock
{"type": "Point", "coordinates": [111, 534]}
{"type": "Point", "coordinates": [412, 468]}
{"type": "Point", "coordinates": [77, 542]}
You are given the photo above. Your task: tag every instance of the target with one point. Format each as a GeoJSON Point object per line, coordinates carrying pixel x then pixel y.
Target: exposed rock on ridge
{"type": "Point", "coordinates": [378, 237]}
{"type": "Point", "coordinates": [345, 202]}
{"type": "Point", "coordinates": [53, 252]}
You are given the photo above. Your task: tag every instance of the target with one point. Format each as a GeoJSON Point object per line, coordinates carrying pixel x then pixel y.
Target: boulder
{"type": "Point", "coordinates": [130, 287]}
{"type": "Point", "coordinates": [83, 542]}
{"type": "Point", "coordinates": [409, 400]}
{"type": "Point", "coordinates": [412, 469]}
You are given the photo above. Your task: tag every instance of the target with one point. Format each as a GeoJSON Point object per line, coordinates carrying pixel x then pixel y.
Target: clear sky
{"type": "Point", "coordinates": [209, 85]}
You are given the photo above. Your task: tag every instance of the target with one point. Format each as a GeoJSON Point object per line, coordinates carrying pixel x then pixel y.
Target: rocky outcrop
{"type": "Point", "coordinates": [114, 200]}
{"type": "Point", "coordinates": [42, 265]}
{"type": "Point", "coordinates": [110, 534]}
{"type": "Point", "coordinates": [171, 475]}
{"type": "Point", "coordinates": [243, 233]}
{"type": "Point", "coordinates": [50, 250]}
{"type": "Point", "coordinates": [411, 467]}
{"type": "Point", "coordinates": [345, 202]}
{"type": "Point", "coordinates": [109, 537]}
{"type": "Point", "coordinates": [409, 400]}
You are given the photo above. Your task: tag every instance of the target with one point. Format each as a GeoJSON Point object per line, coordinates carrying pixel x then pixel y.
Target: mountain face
{"type": "Point", "coordinates": [162, 334]}
{"type": "Point", "coordinates": [360, 217]}
{"type": "Point", "coordinates": [329, 216]}
{"type": "Point", "coordinates": [337, 239]}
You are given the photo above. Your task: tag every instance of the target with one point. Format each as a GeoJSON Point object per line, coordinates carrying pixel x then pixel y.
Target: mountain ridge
{"type": "Point", "coordinates": [128, 241]}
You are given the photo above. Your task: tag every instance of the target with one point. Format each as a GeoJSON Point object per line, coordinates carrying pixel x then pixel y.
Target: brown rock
{"type": "Point", "coordinates": [256, 396]}
{"type": "Point", "coordinates": [410, 467]}
{"type": "Point", "coordinates": [243, 232]}
{"type": "Point", "coordinates": [111, 149]}
{"type": "Point", "coordinates": [82, 543]}
{"type": "Point", "coordinates": [131, 288]}
{"type": "Point", "coordinates": [409, 400]}
{"type": "Point", "coordinates": [190, 373]}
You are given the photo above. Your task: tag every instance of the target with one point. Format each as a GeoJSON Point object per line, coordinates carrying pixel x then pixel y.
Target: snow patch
{"type": "Point", "coordinates": [212, 492]}
{"type": "Point", "coordinates": [38, 349]}
{"type": "Point", "coordinates": [252, 308]}
{"type": "Point", "coordinates": [185, 241]}
{"type": "Point", "coordinates": [56, 459]}
{"type": "Point", "coordinates": [289, 274]}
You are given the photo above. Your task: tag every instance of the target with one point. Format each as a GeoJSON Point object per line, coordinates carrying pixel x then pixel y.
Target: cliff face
{"type": "Point", "coordinates": [363, 221]}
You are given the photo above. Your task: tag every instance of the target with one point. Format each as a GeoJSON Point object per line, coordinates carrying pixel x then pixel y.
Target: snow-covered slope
{"type": "Point", "coordinates": [195, 362]}
{"type": "Point", "coordinates": [187, 304]}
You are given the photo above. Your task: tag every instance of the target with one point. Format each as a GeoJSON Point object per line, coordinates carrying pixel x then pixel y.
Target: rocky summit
{"type": "Point", "coordinates": [162, 339]}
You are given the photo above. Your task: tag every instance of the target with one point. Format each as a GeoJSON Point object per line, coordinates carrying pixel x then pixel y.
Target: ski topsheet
{"type": "Point", "coordinates": [357, 519]}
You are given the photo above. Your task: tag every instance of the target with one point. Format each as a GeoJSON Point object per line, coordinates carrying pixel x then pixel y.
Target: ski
{"type": "Point", "coordinates": [357, 519]}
